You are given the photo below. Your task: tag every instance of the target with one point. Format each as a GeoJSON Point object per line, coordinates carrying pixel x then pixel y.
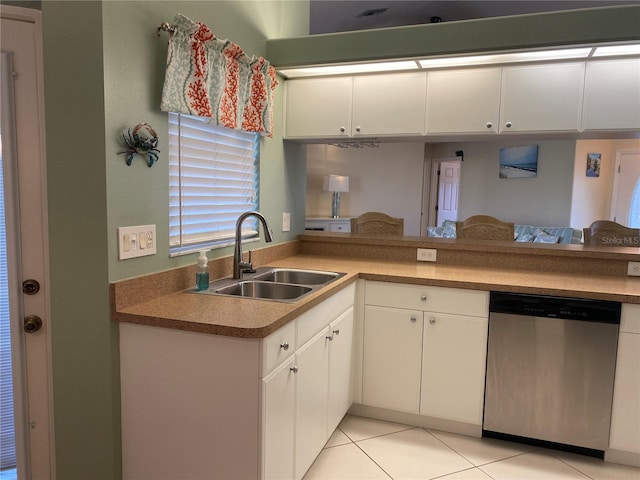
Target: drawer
{"type": "Point", "coordinates": [426, 298]}
{"type": "Point", "coordinates": [278, 346]}
{"type": "Point", "coordinates": [630, 320]}
{"type": "Point", "coordinates": [311, 322]}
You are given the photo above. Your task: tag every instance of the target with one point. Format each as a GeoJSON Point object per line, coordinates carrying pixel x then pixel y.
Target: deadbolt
{"type": "Point", "coordinates": [32, 323]}
{"type": "Point", "coordinates": [30, 287]}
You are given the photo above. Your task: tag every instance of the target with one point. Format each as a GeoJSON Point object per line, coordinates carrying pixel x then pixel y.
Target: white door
{"type": "Point", "coordinates": [26, 241]}
{"type": "Point", "coordinates": [625, 204]}
{"type": "Point", "coordinates": [448, 190]}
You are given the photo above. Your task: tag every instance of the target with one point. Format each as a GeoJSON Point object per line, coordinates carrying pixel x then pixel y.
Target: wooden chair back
{"type": "Point", "coordinates": [377, 223]}
{"type": "Point", "coordinates": [484, 227]}
{"type": "Point", "coordinates": [611, 234]}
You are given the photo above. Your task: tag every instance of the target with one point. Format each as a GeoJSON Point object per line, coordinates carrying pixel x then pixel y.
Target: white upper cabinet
{"type": "Point", "coordinates": [542, 98]}
{"type": "Point", "coordinates": [463, 101]}
{"type": "Point", "coordinates": [391, 104]}
{"type": "Point", "coordinates": [612, 95]}
{"type": "Point", "coordinates": [318, 107]}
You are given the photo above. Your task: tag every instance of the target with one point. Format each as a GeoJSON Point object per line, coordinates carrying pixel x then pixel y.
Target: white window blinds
{"type": "Point", "coordinates": [213, 178]}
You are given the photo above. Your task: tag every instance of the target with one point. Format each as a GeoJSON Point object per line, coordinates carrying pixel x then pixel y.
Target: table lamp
{"type": "Point", "coordinates": [335, 184]}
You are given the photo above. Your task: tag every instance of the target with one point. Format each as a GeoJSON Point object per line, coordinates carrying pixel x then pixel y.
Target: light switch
{"type": "Point", "coordinates": [286, 222]}
{"type": "Point", "coordinates": [136, 241]}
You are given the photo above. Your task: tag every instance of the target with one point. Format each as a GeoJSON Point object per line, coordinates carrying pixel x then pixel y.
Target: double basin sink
{"type": "Point", "coordinates": [270, 283]}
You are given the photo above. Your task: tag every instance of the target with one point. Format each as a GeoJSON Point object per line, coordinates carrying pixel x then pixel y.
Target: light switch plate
{"type": "Point", "coordinates": [286, 222]}
{"type": "Point", "coordinates": [633, 269]}
{"type": "Point", "coordinates": [136, 241]}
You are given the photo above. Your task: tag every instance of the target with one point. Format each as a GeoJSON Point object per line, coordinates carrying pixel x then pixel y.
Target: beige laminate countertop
{"type": "Point", "coordinates": [251, 318]}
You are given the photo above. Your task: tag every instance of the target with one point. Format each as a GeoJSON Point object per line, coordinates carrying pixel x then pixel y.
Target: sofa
{"type": "Point", "coordinates": [523, 233]}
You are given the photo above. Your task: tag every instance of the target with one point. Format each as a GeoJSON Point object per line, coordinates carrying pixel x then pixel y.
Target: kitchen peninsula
{"type": "Point", "coordinates": [212, 395]}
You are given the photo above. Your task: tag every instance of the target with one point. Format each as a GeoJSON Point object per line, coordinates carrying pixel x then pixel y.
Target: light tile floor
{"type": "Point", "coordinates": [363, 448]}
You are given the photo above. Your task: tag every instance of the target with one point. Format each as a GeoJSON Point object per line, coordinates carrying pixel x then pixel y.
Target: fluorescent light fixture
{"type": "Point", "coordinates": [617, 50]}
{"type": "Point", "coordinates": [514, 57]}
{"type": "Point", "coordinates": [349, 69]}
{"type": "Point", "coordinates": [463, 61]}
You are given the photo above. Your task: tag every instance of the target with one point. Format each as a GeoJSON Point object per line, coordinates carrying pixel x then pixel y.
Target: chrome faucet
{"type": "Point", "coordinates": [238, 264]}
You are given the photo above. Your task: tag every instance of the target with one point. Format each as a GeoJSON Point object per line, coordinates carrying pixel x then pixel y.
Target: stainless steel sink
{"type": "Point", "coordinates": [265, 290]}
{"type": "Point", "coordinates": [295, 276]}
{"type": "Point", "coordinates": [270, 283]}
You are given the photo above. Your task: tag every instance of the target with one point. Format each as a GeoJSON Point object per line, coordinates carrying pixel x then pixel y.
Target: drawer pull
{"type": "Point", "coordinates": [284, 346]}
{"type": "Point", "coordinates": [329, 337]}
{"type": "Point", "coordinates": [432, 321]}
{"type": "Point", "coordinates": [489, 124]}
{"type": "Point", "coordinates": [423, 298]}
{"type": "Point", "coordinates": [336, 331]}
{"type": "Point", "coordinates": [294, 369]}
{"type": "Point", "coordinates": [414, 319]}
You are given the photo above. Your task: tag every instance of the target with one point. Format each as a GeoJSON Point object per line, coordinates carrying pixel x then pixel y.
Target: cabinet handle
{"type": "Point", "coordinates": [357, 129]}
{"type": "Point", "coordinates": [342, 129]}
{"type": "Point", "coordinates": [489, 124]}
{"type": "Point", "coordinates": [414, 319]}
{"type": "Point", "coordinates": [423, 298]}
{"type": "Point", "coordinates": [329, 337]}
{"type": "Point", "coordinates": [508, 124]}
{"type": "Point", "coordinates": [294, 369]}
{"type": "Point", "coordinates": [284, 346]}
{"type": "Point", "coordinates": [336, 331]}
{"type": "Point", "coordinates": [432, 321]}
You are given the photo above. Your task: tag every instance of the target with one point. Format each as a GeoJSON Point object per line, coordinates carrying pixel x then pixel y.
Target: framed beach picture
{"type": "Point", "coordinates": [593, 164]}
{"type": "Point", "coordinates": [519, 162]}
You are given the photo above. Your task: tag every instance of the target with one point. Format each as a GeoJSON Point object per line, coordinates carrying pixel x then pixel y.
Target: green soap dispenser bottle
{"type": "Point", "coordinates": [202, 275]}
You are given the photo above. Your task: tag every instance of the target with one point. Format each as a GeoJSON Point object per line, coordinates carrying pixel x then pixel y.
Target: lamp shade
{"type": "Point", "coordinates": [335, 183]}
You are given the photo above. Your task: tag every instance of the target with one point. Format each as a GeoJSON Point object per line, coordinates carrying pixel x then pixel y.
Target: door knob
{"type": "Point", "coordinates": [32, 323]}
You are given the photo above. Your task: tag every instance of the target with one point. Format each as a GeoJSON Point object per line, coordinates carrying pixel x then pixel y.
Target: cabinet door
{"type": "Point", "coordinates": [539, 98]}
{"type": "Point", "coordinates": [463, 101]}
{"type": "Point", "coordinates": [312, 383]}
{"type": "Point", "coordinates": [625, 415]}
{"type": "Point", "coordinates": [278, 400]}
{"type": "Point", "coordinates": [392, 358]}
{"type": "Point", "coordinates": [612, 95]}
{"type": "Point", "coordinates": [389, 104]}
{"type": "Point", "coordinates": [318, 107]}
{"type": "Point", "coordinates": [453, 368]}
{"type": "Point", "coordinates": [340, 371]}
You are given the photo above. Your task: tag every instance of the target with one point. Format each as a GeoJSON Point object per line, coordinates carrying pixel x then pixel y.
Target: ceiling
{"type": "Point", "coordinates": [329, 16]}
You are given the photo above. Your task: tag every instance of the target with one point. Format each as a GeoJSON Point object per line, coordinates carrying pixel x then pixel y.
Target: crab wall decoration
{"type": "Point", "coordinates": [142, 140]}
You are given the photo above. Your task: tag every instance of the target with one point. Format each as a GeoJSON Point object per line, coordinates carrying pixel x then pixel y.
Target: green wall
{"type": "Point", "coordinates": [571, 27]}
{"type": "Point", "coordinates": [104, 70]}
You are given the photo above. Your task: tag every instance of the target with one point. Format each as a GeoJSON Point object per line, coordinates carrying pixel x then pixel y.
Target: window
{"type": "Point", "coordinates": [213, 178]}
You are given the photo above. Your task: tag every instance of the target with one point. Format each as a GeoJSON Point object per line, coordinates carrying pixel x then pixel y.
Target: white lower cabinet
{"type": "Point", "coordinates": [208, 406]}
{"type": "Point", "coordinates": [453, 367]}
{"type": "Point", "coordinates": [624, 439]}
{"type": "Point", "coordinates": [340, 369]}
{"type": "Point", "coordinates": [312, 397]}
{"type": "Point", "coordinates": [429, 361]}
{"type": "Point", "coordinates": [392, 358]}
{"type": "Point", "coordinates": [278, 394]}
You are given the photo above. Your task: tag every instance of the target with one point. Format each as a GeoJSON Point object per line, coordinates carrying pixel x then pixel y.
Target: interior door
{"type": "Point", "coordinates": [625, 202]}
{"type": "Point", "coordinates": [448, 190]}
{"type": "Point", "coordinates": [24, 210]}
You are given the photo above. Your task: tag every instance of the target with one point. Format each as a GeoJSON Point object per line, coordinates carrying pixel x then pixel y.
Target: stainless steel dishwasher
{"type": "Point", "coordinates": [550, 371]}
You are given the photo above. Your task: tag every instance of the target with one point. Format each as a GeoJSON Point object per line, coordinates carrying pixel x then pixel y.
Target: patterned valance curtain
{"type": "Point", "coordinates": [209, 77]}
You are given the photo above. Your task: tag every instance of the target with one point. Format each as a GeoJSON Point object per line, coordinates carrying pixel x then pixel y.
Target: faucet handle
{"type": "Point", "coordinates": [248, 266]}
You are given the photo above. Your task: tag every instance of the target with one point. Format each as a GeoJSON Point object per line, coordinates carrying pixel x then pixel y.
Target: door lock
{"type": "Point", "coordinates": [30, 287]}
{"type": "Point", "coordinates": [32, 323]}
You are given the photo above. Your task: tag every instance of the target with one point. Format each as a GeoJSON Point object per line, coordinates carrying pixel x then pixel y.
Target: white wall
{"type": "Point", "coordinates": [384, 179]}
{"type": "Point", "coordinates": [591, 199]}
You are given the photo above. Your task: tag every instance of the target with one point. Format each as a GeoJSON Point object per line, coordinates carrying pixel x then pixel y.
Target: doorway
{"type": "Point", "coordinates": [27, 434]}
{"type": "Point", "coordinates": [441, 191]}
{"type": "Point", "coordinates": [625, 199]}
